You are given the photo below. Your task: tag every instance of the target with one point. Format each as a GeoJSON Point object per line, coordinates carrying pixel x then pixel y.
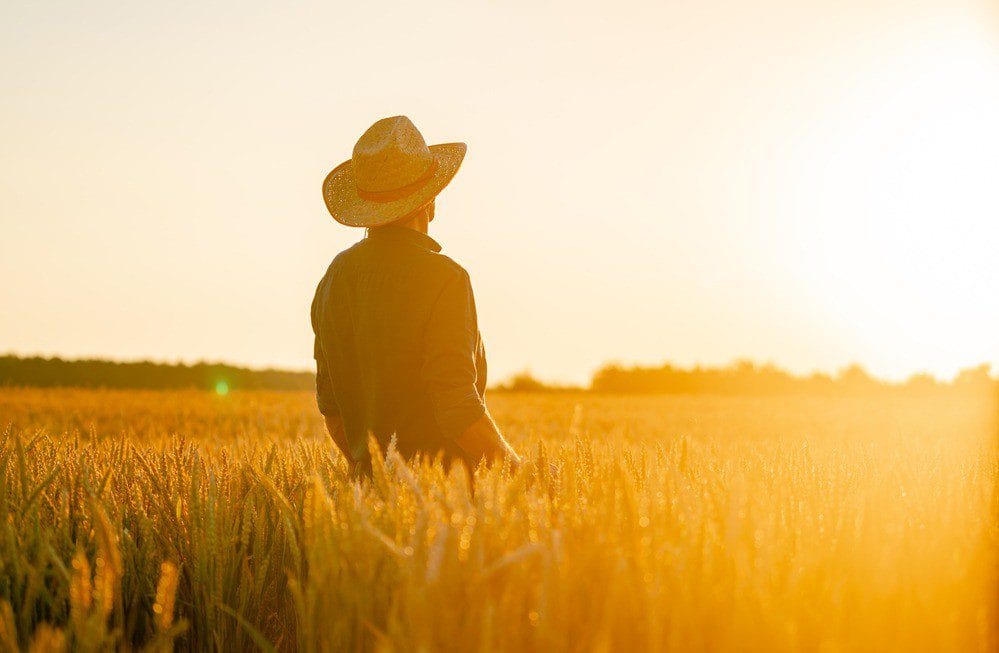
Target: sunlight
{"type": "Point", "coordinates": [907, 204]}
{"type": "Point", "coordinates": [749, 249]}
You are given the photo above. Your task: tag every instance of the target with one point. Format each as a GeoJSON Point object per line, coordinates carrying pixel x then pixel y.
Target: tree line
{"type": "Point", "coordinates": [752, 379]}
{"type": "Point", "coordinates": [52, 372]}
{"type": "Point", "coordinates": [748, 378]}
{"type": "Point", "coordinates": [739, 378]}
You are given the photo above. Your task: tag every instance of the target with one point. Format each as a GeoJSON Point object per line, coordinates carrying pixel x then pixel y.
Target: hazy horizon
{"type": "Point", "coordinates": [811, 186]}
{"type": "Point", "coordinates": [493, 381]}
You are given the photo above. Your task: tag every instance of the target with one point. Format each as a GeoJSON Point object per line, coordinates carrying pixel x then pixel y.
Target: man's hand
{"type": "Point", "coordinates": [483, 440]}
{"type": "Point", "coordinates": [334, 424]}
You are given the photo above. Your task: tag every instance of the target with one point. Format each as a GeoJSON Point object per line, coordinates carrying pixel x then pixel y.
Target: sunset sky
{"type": "Point", "coordinates": [806, 183]}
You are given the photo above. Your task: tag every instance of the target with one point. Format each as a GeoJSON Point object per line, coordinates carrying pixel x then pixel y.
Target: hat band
{"type": "Point", "coordinates": [399, 193]}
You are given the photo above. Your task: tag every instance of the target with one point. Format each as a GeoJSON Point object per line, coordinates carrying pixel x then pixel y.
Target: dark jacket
{"type": "Point", "coordinates": [398, 350]}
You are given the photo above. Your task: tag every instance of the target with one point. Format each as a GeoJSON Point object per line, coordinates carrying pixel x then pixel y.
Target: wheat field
{"type": "Point", "coordinates": [189, 521]}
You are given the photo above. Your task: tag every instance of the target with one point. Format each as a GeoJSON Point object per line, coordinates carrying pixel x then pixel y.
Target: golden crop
{"type": "Point", "coordinates": [181, 519]}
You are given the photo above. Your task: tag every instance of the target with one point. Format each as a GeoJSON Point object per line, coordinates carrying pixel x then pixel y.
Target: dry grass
{"type": "Point", "coordinates": [159, 520]}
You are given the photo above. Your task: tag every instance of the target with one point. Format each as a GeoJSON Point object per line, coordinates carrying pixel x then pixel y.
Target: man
{"type": "Point", "coordinates": [398, 351]}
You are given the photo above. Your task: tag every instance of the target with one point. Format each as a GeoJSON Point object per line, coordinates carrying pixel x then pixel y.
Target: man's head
{"type": "Point", "coordinates": [392, 177]}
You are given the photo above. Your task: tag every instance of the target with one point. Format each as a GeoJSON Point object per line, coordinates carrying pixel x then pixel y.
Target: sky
{"type": "Point", "coordinates": [810, 184]}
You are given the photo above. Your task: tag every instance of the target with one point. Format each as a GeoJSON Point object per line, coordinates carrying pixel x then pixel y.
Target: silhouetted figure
{"type": "Point", "coordinates": [398, 350]}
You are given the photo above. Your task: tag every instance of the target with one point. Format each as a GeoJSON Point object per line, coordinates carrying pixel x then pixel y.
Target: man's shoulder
{"type": "Point", "coordinates": [422, 257]}
{"type": "Point", "coordinates": [338, 262]}
{"type": "Point", "coordinates": [450, 264]}
{"type": "Point", "coordinates": [346, 255]}
{"type": "Point", "coordinates": [364, 254]}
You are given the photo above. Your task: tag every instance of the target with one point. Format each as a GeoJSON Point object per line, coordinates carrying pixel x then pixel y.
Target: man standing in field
{"type": "Point", "coordinates": [398, 351]}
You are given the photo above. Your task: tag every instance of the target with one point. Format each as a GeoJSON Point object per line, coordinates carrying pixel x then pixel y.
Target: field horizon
{"type": "Point", "coordinates": [740, 377]}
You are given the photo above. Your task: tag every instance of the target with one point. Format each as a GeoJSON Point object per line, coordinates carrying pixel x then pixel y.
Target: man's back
{"type": "Point", "coordinates": [398, 350]}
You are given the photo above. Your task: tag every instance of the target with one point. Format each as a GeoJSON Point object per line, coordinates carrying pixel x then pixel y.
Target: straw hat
{"type": "Point", "coordinates": [391, 174]}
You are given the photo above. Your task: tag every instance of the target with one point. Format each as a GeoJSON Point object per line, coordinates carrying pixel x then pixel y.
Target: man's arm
{"type": "Point", "coordinates": [483, 440]}
{"type": "Point", "coordinates": [449, 372]}
{"type": "Point", "coordinates": [334, 424]}
{"type": "Point", "coordinates": [328, 406]}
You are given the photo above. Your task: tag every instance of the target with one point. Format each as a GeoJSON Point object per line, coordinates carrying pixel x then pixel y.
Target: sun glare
{"type": "Point", "coordinates": [906, 202]}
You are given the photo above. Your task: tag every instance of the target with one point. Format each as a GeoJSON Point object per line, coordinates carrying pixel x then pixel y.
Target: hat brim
{"type": "Point", "coordinates": [349, 208]}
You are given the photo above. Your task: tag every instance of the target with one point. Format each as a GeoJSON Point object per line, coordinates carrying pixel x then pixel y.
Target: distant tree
{"type": "Point", "coordinates": [819, 383]}
{"type": "Point", "coordinates": [974, 377]}
{"type": "Point", "coordinates": [922, 383]}
{"type": "Point", "coordinates": [525, 382]}
{"type": "Point", "coordinates": [856, 378]}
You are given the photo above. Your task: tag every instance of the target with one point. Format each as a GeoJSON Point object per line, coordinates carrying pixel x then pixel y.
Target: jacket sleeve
{"type": "Point", "coordinates": [324, 385]}
{"type": "Point", "coordinates": [449, 365]}
{"type": "Point", "coordinates": [480, 367]}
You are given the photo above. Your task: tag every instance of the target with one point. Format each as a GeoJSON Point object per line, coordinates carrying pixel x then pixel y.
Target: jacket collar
{"type": "Point", "coordinates": [405, 234]}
